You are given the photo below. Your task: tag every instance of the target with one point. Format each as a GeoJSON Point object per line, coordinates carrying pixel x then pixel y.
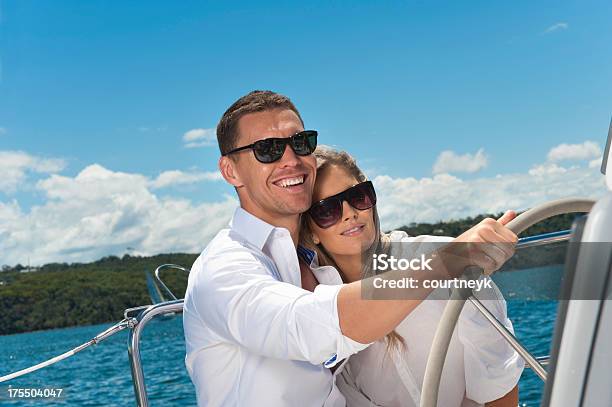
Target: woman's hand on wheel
{"type": "Point", "coordinates": [487, 245]}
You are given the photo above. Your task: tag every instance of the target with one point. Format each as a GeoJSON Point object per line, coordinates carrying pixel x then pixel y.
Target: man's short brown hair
{"type": "Point", "coordinates": [255, 101]}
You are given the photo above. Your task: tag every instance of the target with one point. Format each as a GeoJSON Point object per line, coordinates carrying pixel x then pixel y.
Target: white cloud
{"type": "Point", "coordinates": [547, 169]}
{"type": "Point", "coordinates": [93, 183]}
{"type": "Point", "coordinates": [444, 197]}
{"type": "Point", "coordinates": [585, 151]}
{"type": "Point", "coordinates": [15, 166]}
{"type": "Point", "coordinates": [596, 163]}
{"type": "Point", "coordinates": [100, 212]}
{"type": "Point", "coordinates": [556, 27]}
{"type": "Point", "coordinates": [199, 138]}
{"type": "Point", "coordinates": [176, 177]}
{"type": "Point", "coordinates": [3, 130]}
{"type": "Point", "coordinates": [450, 162]}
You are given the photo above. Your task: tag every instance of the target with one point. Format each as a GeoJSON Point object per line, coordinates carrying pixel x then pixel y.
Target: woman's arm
{"type": "Point", "coordinates": [509, 400]}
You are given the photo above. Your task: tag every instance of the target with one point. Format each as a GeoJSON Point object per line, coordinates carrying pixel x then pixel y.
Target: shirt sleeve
{"type": "Point", "coordinates": [492, 366]}
{"type": "Point", "coordinates": [238, 298]}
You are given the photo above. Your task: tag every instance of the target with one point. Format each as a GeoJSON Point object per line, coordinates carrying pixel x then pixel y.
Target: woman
{"type": "Point", "coordinates": [480, 369]}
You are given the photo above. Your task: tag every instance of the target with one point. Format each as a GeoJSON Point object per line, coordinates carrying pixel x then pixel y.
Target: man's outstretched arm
{"type": "Point", "coordinates": [236, 299]}
{"type": "Point", "coordinates": [366, 321]}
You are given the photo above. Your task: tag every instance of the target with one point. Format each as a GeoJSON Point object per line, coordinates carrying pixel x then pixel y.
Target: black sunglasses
{"type": "Point", "coordinates": [327, 212]}
{"type": "Point", "coordinates": [272, 149]}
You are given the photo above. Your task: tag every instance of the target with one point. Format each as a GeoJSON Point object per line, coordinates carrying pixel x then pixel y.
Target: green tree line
{"type": "Point", "coordinates": [456, 227]}
{"type": "Point", "coordinates": [60, 295]}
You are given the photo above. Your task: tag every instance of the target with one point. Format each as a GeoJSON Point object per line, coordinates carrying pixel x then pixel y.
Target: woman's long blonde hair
{"type": "Point", "coordinates": [326, 157]}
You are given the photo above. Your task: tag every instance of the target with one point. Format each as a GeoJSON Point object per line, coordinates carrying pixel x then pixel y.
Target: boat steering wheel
{"type": "Point", "coordinates": [450, 316]}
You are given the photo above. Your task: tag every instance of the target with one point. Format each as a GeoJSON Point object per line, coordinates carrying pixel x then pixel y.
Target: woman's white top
{"type": "Point", "coordinates": [480, 365]}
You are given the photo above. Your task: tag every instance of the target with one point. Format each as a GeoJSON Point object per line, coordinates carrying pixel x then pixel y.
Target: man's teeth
{"type": "Point", "coordinates": [287, 182]}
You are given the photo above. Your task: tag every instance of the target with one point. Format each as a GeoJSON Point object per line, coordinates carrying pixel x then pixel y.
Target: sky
{"type": "Point", "coordinates": [108, 110]}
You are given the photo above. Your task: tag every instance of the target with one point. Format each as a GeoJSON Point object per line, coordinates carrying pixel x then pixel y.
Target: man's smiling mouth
{"type": "Point", "coordinates": [290, 181]}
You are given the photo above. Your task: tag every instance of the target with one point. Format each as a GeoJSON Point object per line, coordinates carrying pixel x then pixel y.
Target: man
{"type": "Point", "coordinates": [261, 327]}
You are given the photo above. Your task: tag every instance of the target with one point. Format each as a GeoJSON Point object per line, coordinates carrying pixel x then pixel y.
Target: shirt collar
{"type": "Point", "coordinates": [306, 254]}
{"type": "Point", "coordinates": [324, 274]}
{"type": "Point", "coordinates": [257, 232]}
{"type": "Point", "coordinates": [253, 229]}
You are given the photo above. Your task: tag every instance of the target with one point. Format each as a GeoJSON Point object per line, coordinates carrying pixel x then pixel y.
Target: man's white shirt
{"type": "Point", "coordinates": [254, 337]}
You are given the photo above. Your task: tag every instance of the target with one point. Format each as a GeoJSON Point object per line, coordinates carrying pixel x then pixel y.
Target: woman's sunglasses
{"type": "Point", "coordinates": [327, 212]}
{"type": "Point", "coordinates": [272, 149]}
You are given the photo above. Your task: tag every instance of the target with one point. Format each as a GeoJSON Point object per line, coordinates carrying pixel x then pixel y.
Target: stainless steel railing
{"type": "Point", "coordinates": [531, 360]}
{"type": "Point", "coordinates": [545, 238]}
{"type": "Point", "coordinates": [140, 322]}
{"type": "Point", "coordinates": [161, 282]}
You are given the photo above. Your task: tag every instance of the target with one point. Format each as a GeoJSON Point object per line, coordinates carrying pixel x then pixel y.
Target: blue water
{"type": "Point", "coordinates": [101, 375]}
{"type": "Point", "coordinates": [534, 322]}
